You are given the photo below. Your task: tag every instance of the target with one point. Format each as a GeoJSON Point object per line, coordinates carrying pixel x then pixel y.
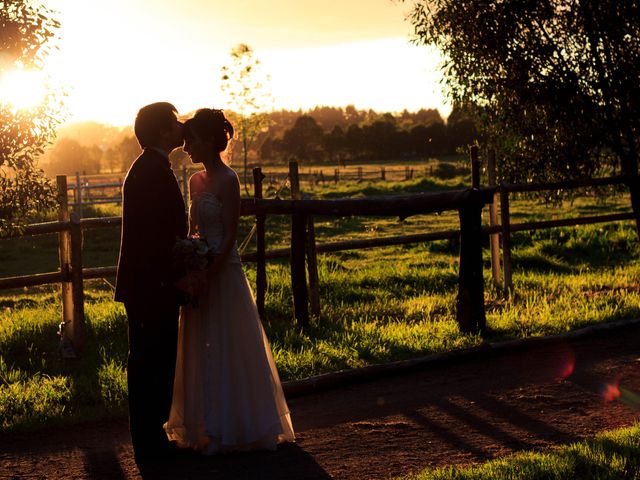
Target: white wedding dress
{"type": "Point", "coordinates": [227, 394]}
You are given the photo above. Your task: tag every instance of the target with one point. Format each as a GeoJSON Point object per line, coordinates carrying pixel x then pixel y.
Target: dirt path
{"type": "Point", "coordinates": [461, 413]}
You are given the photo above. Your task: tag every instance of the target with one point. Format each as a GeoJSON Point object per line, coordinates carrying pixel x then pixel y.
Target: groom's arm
{"type": "Point", "coordinates": [148, 215]}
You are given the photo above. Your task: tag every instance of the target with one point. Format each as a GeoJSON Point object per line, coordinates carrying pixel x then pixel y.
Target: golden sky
{"type": "Point", "coordinates": [116, 55]}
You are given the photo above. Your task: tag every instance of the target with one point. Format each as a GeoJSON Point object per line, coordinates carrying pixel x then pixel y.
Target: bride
{"type": "Point", "coordinates": [227, 394]}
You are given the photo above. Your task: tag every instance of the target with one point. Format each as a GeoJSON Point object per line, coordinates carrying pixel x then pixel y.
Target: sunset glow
{"type": "Point", "coordinates": [22, 88]}
{"type": "Point", "coordinates": [118, 55]}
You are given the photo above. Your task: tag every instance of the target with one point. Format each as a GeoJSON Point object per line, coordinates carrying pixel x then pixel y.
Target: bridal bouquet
{"type": "Point", "coordinates": [193, 252]}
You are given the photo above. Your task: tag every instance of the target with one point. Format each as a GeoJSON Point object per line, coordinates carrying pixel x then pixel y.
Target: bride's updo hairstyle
{"type": "Point", "coordinates": [210, 125]}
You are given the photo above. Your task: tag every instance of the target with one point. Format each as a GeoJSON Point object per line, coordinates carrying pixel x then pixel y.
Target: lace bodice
{"type": "Point", "coordinates": [206, 210]}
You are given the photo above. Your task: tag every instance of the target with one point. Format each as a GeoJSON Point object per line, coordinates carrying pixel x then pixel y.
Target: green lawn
{"type": "Point", "coordinates": [612, 455]}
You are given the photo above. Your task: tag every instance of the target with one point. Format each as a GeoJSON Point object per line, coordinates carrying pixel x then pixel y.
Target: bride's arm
{"type": "Point", "coordinates": [230, 196]}
{"type": "Point", "coordinates": [193, 214]}
{"type": "Point", "coordinates": [191, 282]}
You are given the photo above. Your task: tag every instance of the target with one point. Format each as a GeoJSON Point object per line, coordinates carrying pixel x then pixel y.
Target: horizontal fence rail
{"type": "Point", "coordinates": [83, 185]}
{"type": "Point", "coordinates": [570, 222]}
{"type": "Point", "coordinates": [401, 205]}
{"type": "Point", "coordinates": [568, 185]}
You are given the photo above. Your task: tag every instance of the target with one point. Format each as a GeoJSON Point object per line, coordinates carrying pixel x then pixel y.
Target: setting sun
{"type": "Point", "coordinates": [22, 88]}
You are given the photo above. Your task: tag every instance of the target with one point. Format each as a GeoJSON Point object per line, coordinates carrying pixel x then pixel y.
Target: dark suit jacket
{"type": "Point", "coordinates": [153, 218]}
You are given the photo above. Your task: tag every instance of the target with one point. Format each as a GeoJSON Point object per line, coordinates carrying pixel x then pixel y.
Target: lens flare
{"type": "Point", "coordinates": [611, 392]}
{"type": "Point", "coordinates": [567, 368]}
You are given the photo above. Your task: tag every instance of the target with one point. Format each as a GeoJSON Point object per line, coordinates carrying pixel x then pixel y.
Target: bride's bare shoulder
{"type": "Point", "coordinates": [197, 177]}
{"type": "Point", "coordinates": [231, 176]}
{"type": "Point", "coordinates": [230, 184]}
{"type": "Point", "coordinates": [196, 182]}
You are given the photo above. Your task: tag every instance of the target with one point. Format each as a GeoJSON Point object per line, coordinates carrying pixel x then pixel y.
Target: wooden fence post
{"type": "Point", "coordinates": [336, 177]}
{"type": "Point", "coordinates": [470, 312]}
{"type": "Point", "coordinates": [64, 250]}
{"type": "Point", "coordinates": [475, 167]}
{"type": "Point", "coordinates": [78, 194]}
{"type": "Point", "coordinates": [298, 247]}
{"type": "Point", "coordinates": [382, 174]}
{"type": "Point", "coordinates": [506, 239]}
{"type": "Point", "coordinates": [494, 238]}
{"type": "Point", "coordinates": [261, 265]}
{"type": "Point", "coordinates": [294, 179]}
{"type": "Point", "coordinates": [77, 286]}
{"type": "Point", "coordinates": [312, 266]}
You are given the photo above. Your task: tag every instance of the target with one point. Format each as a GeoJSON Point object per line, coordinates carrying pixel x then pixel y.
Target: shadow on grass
{"type": "Point", "coordinates": [535, 261]}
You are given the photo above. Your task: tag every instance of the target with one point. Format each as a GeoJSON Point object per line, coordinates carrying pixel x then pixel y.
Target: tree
{"type": "Point", "coordinates": [67, 157]}
{"type": "Point", "coordinates": [554, 82]}
{"type": "Point", "coordinates": [304, 139]}
{"type": "Point", "coordinates": [355, 141]}
{"type": "Point", "coordinates": [127, 151]}
{"type": "Point", "coordinates": [329, 117]}
{"type": "Point", "coordinates": [26, 33]}
{"type": "Point", "coordinates": [381, 139]}
{"type": "Point", "coordinates": [461, 128]}
{"type": "Point", "coordinates": [335, 144]}
{"type": "Point", "coordinates": [244, 84]}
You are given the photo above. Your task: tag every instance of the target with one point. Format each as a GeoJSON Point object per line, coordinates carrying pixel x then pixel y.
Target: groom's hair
{"type": "Point", "coordinates": [152, 122]}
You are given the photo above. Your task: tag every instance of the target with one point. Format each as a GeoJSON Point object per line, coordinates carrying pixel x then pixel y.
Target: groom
{"type": "Point", "coordinates": [153, 217]}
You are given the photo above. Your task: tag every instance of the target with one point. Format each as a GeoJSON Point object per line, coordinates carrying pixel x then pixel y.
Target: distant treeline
{"type": "Point", "coordinates": [324, 134]}
{"type": "Point", "coordinates": [330, 134]}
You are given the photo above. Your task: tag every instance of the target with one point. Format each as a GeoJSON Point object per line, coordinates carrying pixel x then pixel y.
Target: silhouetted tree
{"type": "Point", "coordinates": [555, 82]}
{"type": "Point", "coordinates": [462, 128]}
{"type": "Point", "coordinates": [26, 31]}
{"type": "Point", "coordinates": [127, 151]}
{"type": "Point", "coordinates": [266, 149]}
{"type": "Point", "coordinates": [427, 116]}
{"type": "Point", "coordinates": [304, 139]}
{"type": "Point", "coordinates": [335, 144]}
{"type": "Point", "coordinates": [329, 117]}
{"type": "Point", "coordinates": [355, 141]}
{"type": "Point", "coordinates": [244, 84]}
{"type": "Point", "coordinates": [381, 139]}
{"type": "Point", "coordinates": [353, 115]}
{"type": "Point", "coordinates": [68, 157]}
{"type": "Point", "coordinates": [438, 139]}
{"type": "Point", "coordinates": [386, 137]}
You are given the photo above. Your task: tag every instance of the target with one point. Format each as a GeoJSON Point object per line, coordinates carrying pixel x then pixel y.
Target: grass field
{"type": "Point", "coordinates": [610, 456]}
{"type": "Point", "coordinates": [378, 304]}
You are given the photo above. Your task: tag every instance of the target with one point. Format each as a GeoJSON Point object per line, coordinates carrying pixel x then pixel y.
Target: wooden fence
{"type": "Point", "coordinates": [303, 250]}
{"type": "Point", "coordinates": [106, 189]}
